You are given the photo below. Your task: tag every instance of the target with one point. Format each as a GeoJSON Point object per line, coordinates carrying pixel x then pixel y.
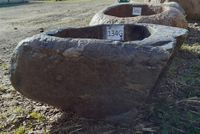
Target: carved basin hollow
{"type": "Point", "coordinates": [140, 13]}
{"type": "Point", "coordinates": [86, 71]}
{"type": "Point", "coordinates": [131, 32]}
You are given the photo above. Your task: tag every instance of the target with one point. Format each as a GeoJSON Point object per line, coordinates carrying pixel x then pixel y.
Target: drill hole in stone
{"type": "Point", "coordinates": [130, 32]}
{"type": "Point", "coordinates": [129, 10]}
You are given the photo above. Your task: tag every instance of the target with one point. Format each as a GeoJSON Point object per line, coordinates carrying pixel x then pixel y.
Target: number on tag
{"type": "Point", "coordinates": [137, 11]}
{"type": "Point", "coordinates": [115, 32]}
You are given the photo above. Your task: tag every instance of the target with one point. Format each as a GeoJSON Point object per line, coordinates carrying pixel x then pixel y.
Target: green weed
{"type": "Point", "coordinates": [194, 50]}
{"type": "Point", "coordinates": [3, 88]}
{"type": "Point", "coordinates": [21, 130]}
{"type": "Point", "coordinates": [4, 66]}
{"type": "Point", "coordinates": [37, 116]}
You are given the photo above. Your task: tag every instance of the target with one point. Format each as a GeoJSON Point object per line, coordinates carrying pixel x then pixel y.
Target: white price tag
{"type": "Point", "coordinates": [115, 32]}
{"type": "Point", "coordinates": [137, 11]}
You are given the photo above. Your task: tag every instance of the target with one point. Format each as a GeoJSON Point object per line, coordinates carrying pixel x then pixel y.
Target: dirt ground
{"type": "Point", "coordinates": [173, 109]}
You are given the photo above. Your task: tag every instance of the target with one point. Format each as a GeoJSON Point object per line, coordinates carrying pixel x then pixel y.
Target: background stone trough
{"type": "Point", "coordinates": [86, 71]}
{"type": "Point", "coordinates": [191, 7]}
{"type": "Point", "coordinates": [140, 13]}
{"type": "Point", "coordinates": [11, 1]}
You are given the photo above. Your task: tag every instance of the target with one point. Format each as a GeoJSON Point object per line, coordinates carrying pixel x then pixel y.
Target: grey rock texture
{"type": "Point", "coordinates": [175, 5]}
{"type": "Point", "coordinates": [77, 70]}
{"type": "Point", "coordinates": [191, 7]}
{"type": "Point", "coordinates": [154, 14]}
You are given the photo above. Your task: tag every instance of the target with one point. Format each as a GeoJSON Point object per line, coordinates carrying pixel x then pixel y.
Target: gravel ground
{"type": "Point", "coordinates": [20, 115]}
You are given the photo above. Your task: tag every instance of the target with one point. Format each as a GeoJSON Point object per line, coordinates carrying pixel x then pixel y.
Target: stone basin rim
{"type": "Point", "coordinates": [165, 14]}
{"type": "Point", "coordinates": [108, 11]}
{"type": "Point", "coordinates": [169, 33]}
{"type": "Point", "coordinates": [156, 40]}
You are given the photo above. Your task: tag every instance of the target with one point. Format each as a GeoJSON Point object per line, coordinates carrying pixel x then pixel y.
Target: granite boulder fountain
{"type": "Point", "coordinates": [141, 13]}
{"type": "Point", "coordinates": [98, 72]}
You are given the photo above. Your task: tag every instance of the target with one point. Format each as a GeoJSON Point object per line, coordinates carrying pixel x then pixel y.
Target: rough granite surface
{"type": "Point", "coordinates": [155, 14]}
{"type": "Point", "coordinates": [191, 7]}
{"type": "Point", "coordinates": [94, 77]}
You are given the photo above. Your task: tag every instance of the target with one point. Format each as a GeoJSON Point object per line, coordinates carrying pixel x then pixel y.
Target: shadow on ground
{"type": "Point", "coordinates": [72, 124]}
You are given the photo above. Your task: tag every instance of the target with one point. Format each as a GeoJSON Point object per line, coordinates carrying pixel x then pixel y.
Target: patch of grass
{"type": "Point", "coordinates": [185, 70]}
{"type": "Point", "coordinates": [4, 133]}
{"type": "Point", "coordinates": [177, 104]}
{"type": "Point", "coordinates": [197, 131]}
{"type": "Point", "coordinates": [191, 49]}
{"type": "Point", "coordinates": [192, 76]}
{"type": "Point", "coordinates": [18, 110]}
{"type": "Point", "coordinates": [21, 130]}
{"type": "Point", "coordinates": [23, 122]}
{"type": "Point", "coordinates": [2, 88]}
{"type": "Point", "coordinates": [175, 119]}
{"type": "Point", "coordinates": [194, 50]}
{"type": "Point", "coordinates": [4, 66]}
{"type": "Point", "coordinates": [2, 116]}
{"type": "Point", "coordinates": [37, 116]}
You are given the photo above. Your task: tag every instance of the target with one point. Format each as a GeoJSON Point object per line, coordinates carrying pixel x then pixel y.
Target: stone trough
{"type": "Point", "coordinates": [12, 1]}
{"type": "Point", "coordinates": [99, 72]}
{"type": "Point", "coordinates": [140, 13]}
{"type": "Point", "coordinates": [191, 7]}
